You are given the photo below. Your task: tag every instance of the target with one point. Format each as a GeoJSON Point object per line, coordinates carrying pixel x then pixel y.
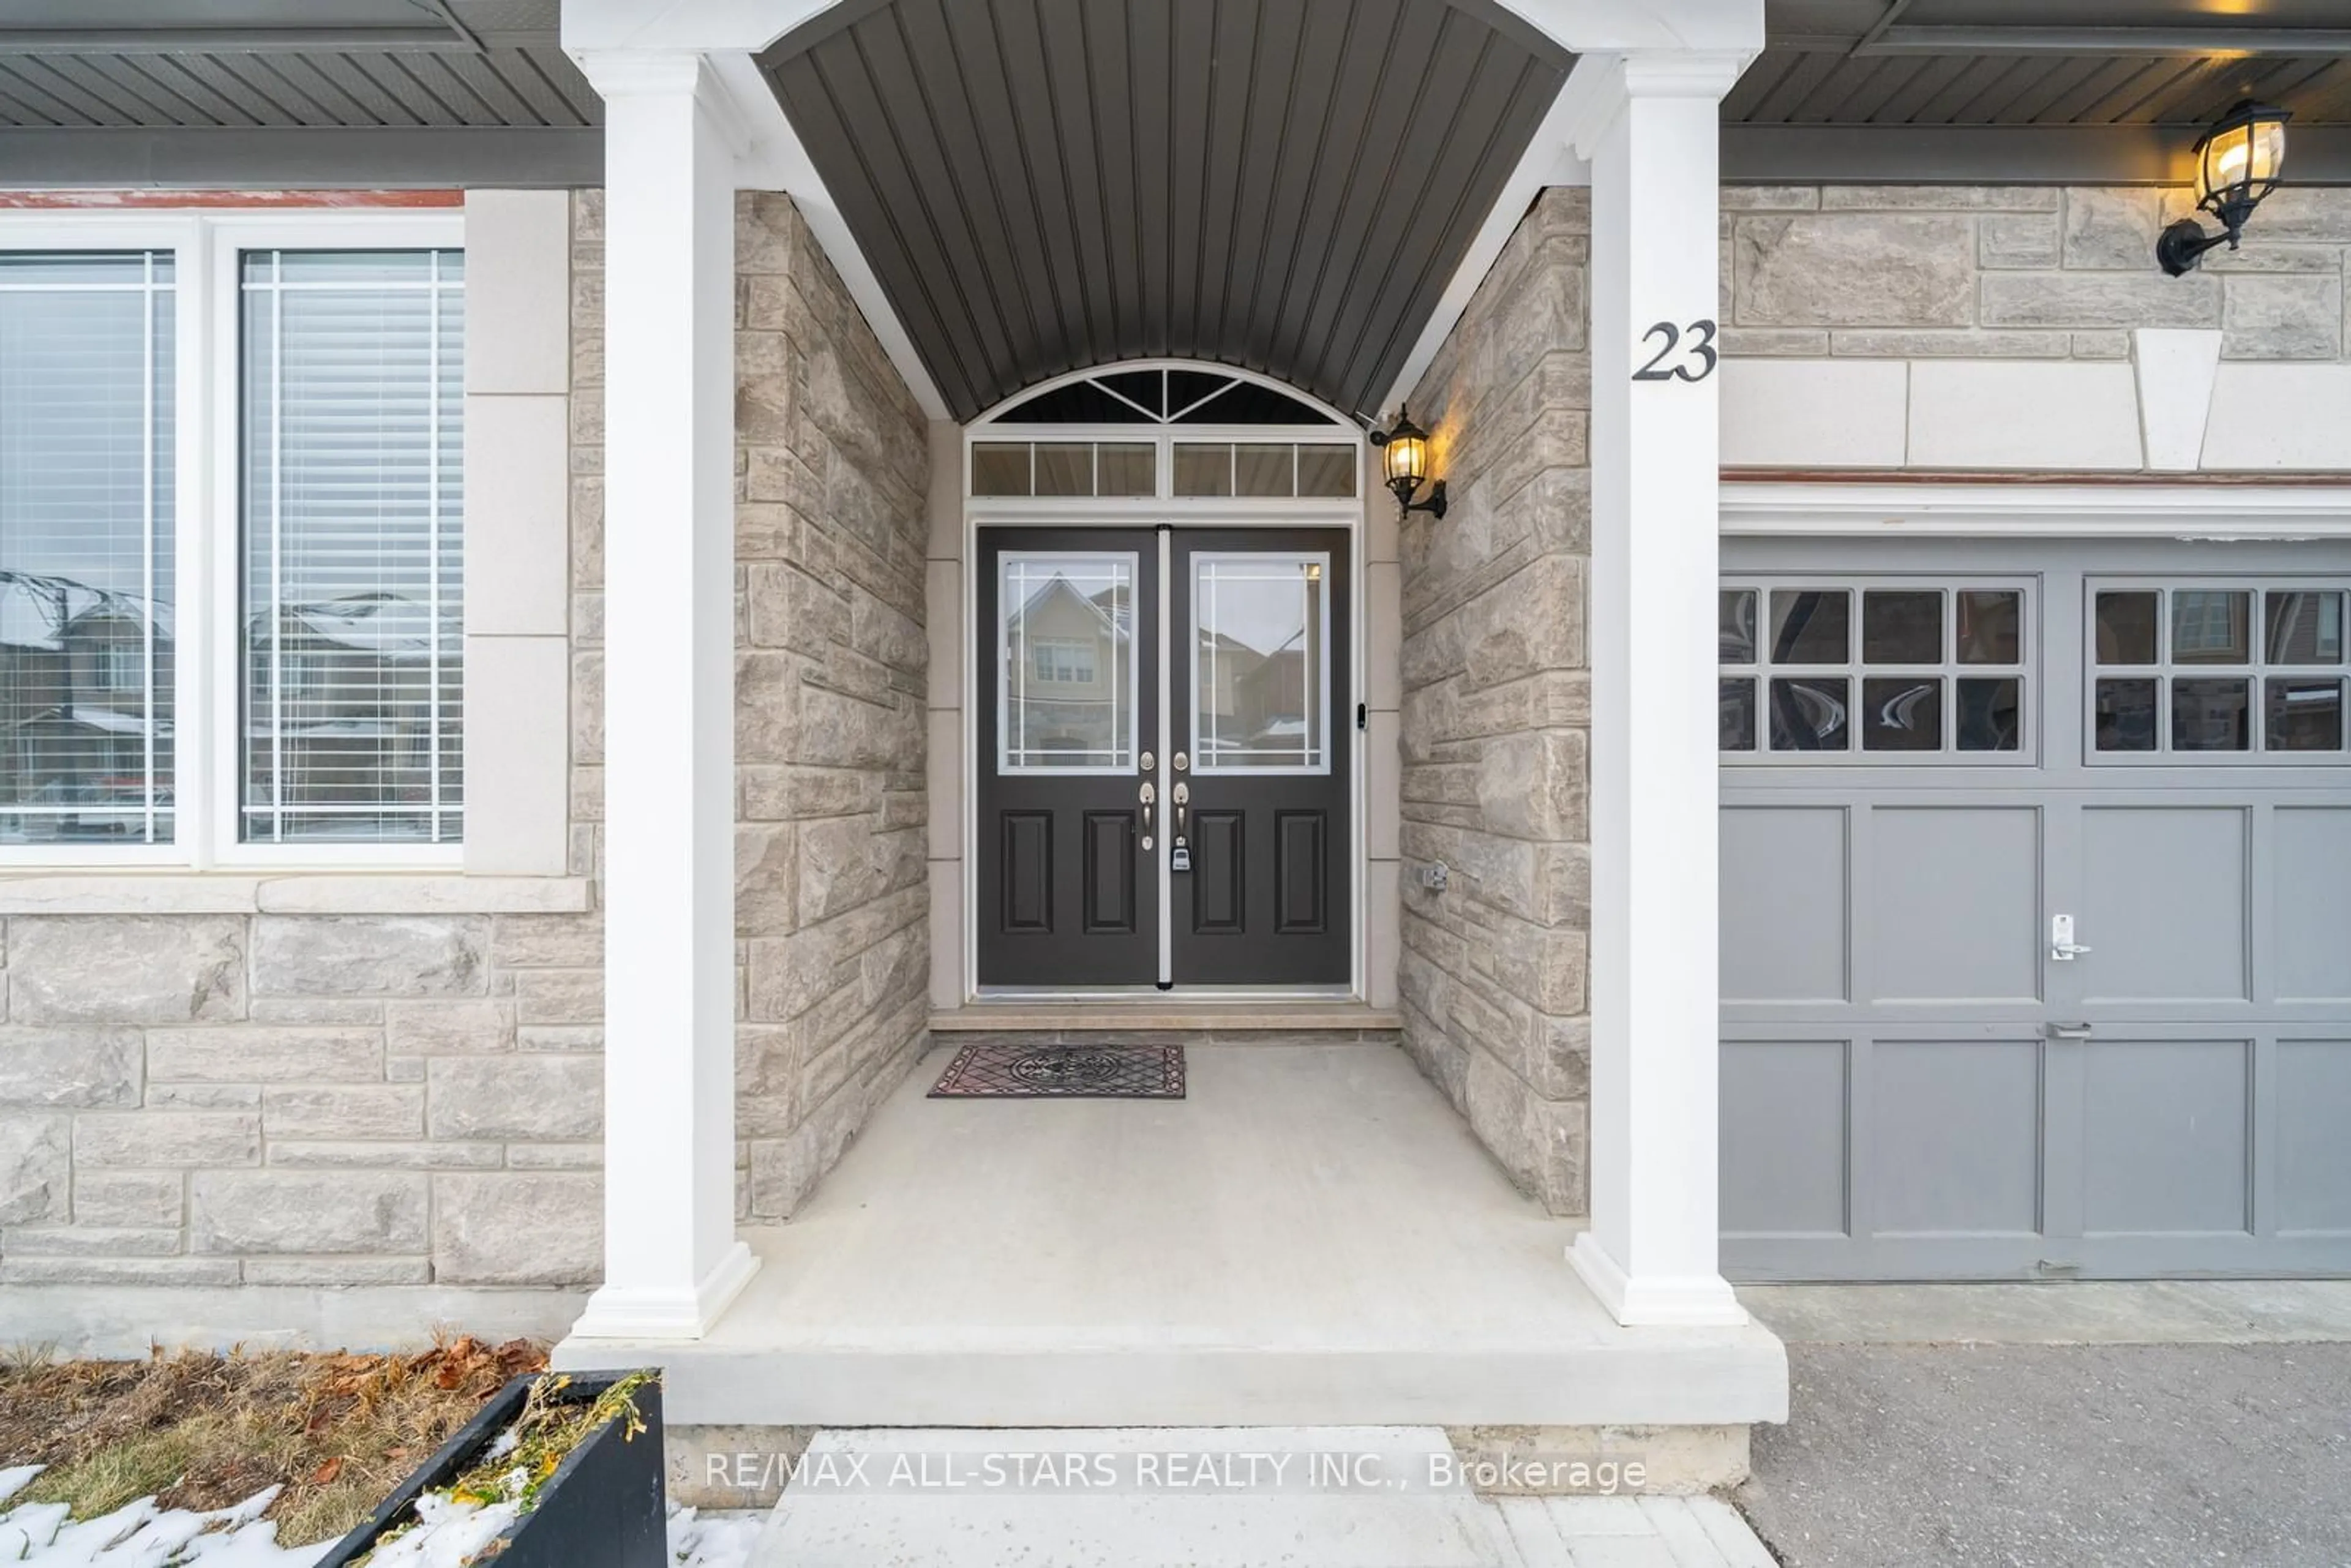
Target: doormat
{"type": "Point", "coordinates": [1005, 1070]}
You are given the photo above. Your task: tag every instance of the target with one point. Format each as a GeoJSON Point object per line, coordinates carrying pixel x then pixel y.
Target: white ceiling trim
{"type": "Point", "coordinates": [2007, 509]}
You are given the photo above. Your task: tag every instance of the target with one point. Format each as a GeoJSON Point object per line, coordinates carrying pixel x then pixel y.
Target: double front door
{"type": "Point", "coordinates": [1165, 723]}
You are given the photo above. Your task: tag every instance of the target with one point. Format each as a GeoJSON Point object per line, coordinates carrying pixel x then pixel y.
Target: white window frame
{"type": "Point", "coordinates": [207, 530]}
{"type": "Point", "coordinates": [1762, 669]}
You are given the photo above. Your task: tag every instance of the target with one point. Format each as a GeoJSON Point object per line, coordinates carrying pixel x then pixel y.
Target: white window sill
{"type": "Point", "coordinates": [272, 893]}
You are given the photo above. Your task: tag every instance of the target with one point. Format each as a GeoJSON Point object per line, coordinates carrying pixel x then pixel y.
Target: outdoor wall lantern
{"type": "Point", "coordinates": [2237, 165]}
{"type": "Point", "coordinates": [1405, 453]}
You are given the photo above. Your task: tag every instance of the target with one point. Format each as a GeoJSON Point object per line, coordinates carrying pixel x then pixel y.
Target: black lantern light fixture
{"type": "Point", "coordinates": [2237, 165]}
{"type": "Point", "coordinates": [1405, 451]}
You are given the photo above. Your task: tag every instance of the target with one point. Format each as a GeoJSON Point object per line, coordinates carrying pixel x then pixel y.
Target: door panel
{"type": "Point", "coordinates": [1067, 704]}
{"type": "Point", "coordinates": [1261, 710]}
{"type": "Point", "coordinates": [2170, 772]}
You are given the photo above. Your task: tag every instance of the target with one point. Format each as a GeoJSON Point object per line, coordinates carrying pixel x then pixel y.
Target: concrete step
{"type": "Point", "coordinates": [1321, 1497]}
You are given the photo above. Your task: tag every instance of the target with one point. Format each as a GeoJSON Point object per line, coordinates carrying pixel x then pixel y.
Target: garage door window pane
{"type": "Point", "coordinates": [2304, 716]}
{"type": "Point", "coordinates": [2125, 628]}
{"type": "Point", "coordinates": [1738, 709]}
{"type": "Point", "coordinates": [2211, 627]}
{"type": "Point", "coordinates": [2126, 715]}
{"type": "Point", "coordinates": [1992, 623]}
{"type": "Point", "coordinates": [1735, 637]}
{"type": "Point", "coordinates": [2212, 715]}
{"type": "Point", "coordinates": [2304, 628]}
{"type": "Point", "coordinates": [1902, 714]}
{"type": "Point", "coordinates": [1810, 715]}
{"type": "Point", "coordinates": [1902, 626]}
{"type": "Point", "coordinates": [1990, 714]}
{"type": "Point", "coordinates": [1810, 626]}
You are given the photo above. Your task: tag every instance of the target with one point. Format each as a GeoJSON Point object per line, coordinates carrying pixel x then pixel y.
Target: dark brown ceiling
{"type": "Point", "coordinates": [1285, 185]}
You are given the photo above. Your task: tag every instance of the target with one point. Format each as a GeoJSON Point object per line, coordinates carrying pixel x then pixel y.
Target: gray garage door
{"type": "Point", "coordinates": [1936, 757]}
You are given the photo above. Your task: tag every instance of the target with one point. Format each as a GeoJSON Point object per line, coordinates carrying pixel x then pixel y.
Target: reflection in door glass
{"type": "Point", "coordinates": [1259, 694]}
{"type": "Point", "coordinates": [1067, 687]}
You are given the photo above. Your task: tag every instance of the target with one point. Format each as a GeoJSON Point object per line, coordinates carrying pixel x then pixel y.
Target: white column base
{"type": "Point", "coordinates": [620, 1311]}
{"type": "Point", "coordinates": [1687, 1300]}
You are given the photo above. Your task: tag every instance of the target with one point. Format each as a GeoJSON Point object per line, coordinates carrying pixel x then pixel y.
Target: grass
{"type": "Point", "coordinates": [200, 1430]}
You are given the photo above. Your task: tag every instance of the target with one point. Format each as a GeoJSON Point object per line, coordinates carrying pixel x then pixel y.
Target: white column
{"type": "Point", "coordinates": [672, 1260]}
{"type": "Point", "coordinates": [1649, 126]}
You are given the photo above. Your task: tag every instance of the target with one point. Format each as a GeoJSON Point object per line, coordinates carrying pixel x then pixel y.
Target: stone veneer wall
{"type": "Point", "coordinates": [2020, 272]}
{"type": "Point", "coordinates": [1497, 712]}
{"type": "Point", "coordinates": [833, 904]}
{"type": "Point", "coordinates": [240, 1089]}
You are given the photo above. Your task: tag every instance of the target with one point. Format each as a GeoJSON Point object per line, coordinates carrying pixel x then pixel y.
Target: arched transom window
{"type": "Point", "coordinates": [1168, 431]}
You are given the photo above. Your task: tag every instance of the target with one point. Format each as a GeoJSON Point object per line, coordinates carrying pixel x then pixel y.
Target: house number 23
{"type": "Point", "coordinates": [1698, 355]}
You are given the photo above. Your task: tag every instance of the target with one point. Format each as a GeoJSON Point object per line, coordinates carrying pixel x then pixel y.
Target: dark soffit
{"type": "Point", "coordinates": [1044, 185]}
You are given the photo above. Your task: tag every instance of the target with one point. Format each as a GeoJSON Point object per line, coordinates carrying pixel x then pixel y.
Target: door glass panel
{"type": "Point", "coordinates": [1203, 468]}
{"type": "Point", "coordinates": [2304, 716]}
{"type": "Point", "coordinates": [1326, 470]}
{"type": "Point", "coordinates": [1902, 626]}
{"type": "Point", "coordinates": [2125, 628]}
{"type": "Point", "coordinates": [2212, 626]}
{"type": "Point", "coordinates": [1809, 715]}
{"type": "Point", "coordinates": [1066, 682]}
{"type": "Point", "coordinates": [1263, 471]}
{"type": "Point", "coordinates": [2212, 715]}
{"type": "Point", "coordinates": [2126, 716]}
{"type": "Point", "coordinates": [1065, 469]}
{"type": "Point", "coordinates": [1735, 633]}
{"type": "Point", "coordinates": [1991, 713]}
{"type": "Point", "coordinates": [1260, 689]}
{"type": "Point", "coordinates": [1904, 713]}
{"type": "Point", "coordinates": [1737, 706]}
{"type": "Point", "coordinates": [1125, 468]}
{"type": "Point", "coordinates": [2304, 628]}
{"type": "Point", "coordinates": [1000, 468]}
{"type": "Point", "coordinates": [1810, 626]}
{"type": "Point", "coordinates": [1991, 626]}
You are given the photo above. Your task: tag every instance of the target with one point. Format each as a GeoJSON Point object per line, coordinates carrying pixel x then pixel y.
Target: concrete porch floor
{"type": "Point", "coordinates": [1311, 1239]}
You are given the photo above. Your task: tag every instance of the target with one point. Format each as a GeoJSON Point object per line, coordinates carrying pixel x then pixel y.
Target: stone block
{"type": "Point", "coordinates": [351, 1111]}
{"type": "Point", "coordinates": [2281, 315]}
{"type": "Point", "coordinates": [126, 969]}
{"type": "Point", "coordinates": [249, 1054]}
{"type": "Point", "coordinates": [2018, 240]}
{"type": "Point", "coordinates": [371, 956]}
{"type": "Point", "coordinates": [1856, 270]}
{"type": "Point", "coordinates": [293, 1211]}
{"type": "Point", "coordinates": [337, 1272]}
{"type": "Point", "coordinates": [383, 1155]}
{"type": "Point", "coordinates": [559, 997]}
{"type": "Point", "coordinates": [70, 1066]}
{"type": "Point", "coordinates": [1540, 1143]}
{"type": "Point", "coordinates": [533, 1094]}
{"type": "Point", "coordinates": [1531, 786]}
{"type": "Point", "coordinates": [118, 1272]}
{"type": "Point", "coordinates": [164, 1139]}
{"type": "Point", "coordinates": [547, 941]}
{"type": "Point", "coordinates": [767, 878]}
{"type": "Point", "coordinates": [433, 1028]}
{"type": "Point", "coordinates": [150, 1198]}
{"type": "Point", "coordinates": [2113, 229]}
{"type": "Point", "coordinates": [91, 1241]}
{"type": "Point", "coordinates": [36, 1168]}
{"type": "Point", "coordinates": [1940, 198]}
{"type": "Point", "coordinates": [2100, 299]}
{"type": "Point", "coordinates": [519, 1228]}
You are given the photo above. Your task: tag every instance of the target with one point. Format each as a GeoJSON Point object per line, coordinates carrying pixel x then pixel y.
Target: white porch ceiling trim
{"type": "Point", "coordinates": [2006, 509]}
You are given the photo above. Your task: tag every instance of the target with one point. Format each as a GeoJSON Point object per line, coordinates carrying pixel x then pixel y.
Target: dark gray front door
{"type": "Point", "coordinates": [1164, 726]}
{"type": "Point", "coordinates": [1933, 753]}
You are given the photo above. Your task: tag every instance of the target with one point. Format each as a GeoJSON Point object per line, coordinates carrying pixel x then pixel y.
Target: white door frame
{"type": "Point", "coordinates": [1147, 512]}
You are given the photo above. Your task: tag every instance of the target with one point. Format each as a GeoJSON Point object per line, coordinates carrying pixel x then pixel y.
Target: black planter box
{"type": "Point", "coordinates": [604, 1507]}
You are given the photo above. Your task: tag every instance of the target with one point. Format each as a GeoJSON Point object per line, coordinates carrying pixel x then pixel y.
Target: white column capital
{"type": "Point", "coordinates": [1600, 87]}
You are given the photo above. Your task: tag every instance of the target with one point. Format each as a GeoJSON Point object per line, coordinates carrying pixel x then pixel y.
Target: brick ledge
{"type": "Point", "coordinates": [311, 893]}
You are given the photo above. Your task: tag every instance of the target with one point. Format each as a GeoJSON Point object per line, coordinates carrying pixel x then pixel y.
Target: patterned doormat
{"type": "Point", "coordinates": [1006, 1069]}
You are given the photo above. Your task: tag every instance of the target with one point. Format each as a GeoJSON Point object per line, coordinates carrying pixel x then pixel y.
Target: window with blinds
{"type": "Point", "coordinates": [353, 383]}
{"type": "Point", "coordinates": [86, 521]}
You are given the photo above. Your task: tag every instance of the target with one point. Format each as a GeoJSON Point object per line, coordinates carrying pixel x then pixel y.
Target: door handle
{"type": "Point", "coordinates": [1181, 795]}
{"type": "Point", "coordinates": [1148, 796]}
{"type": "Point", "coordinates": [2063, 948]}
{"type": "Point", "coordinates": [2069, 1031]}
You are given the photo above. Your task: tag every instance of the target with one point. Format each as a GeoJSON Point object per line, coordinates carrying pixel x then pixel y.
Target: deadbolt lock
{"type": "Point", "coordinates": [1181, 761]}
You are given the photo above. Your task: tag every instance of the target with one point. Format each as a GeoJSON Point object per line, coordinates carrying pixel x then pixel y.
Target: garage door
{"type": "Point", "coordinates": [2036, 914]}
